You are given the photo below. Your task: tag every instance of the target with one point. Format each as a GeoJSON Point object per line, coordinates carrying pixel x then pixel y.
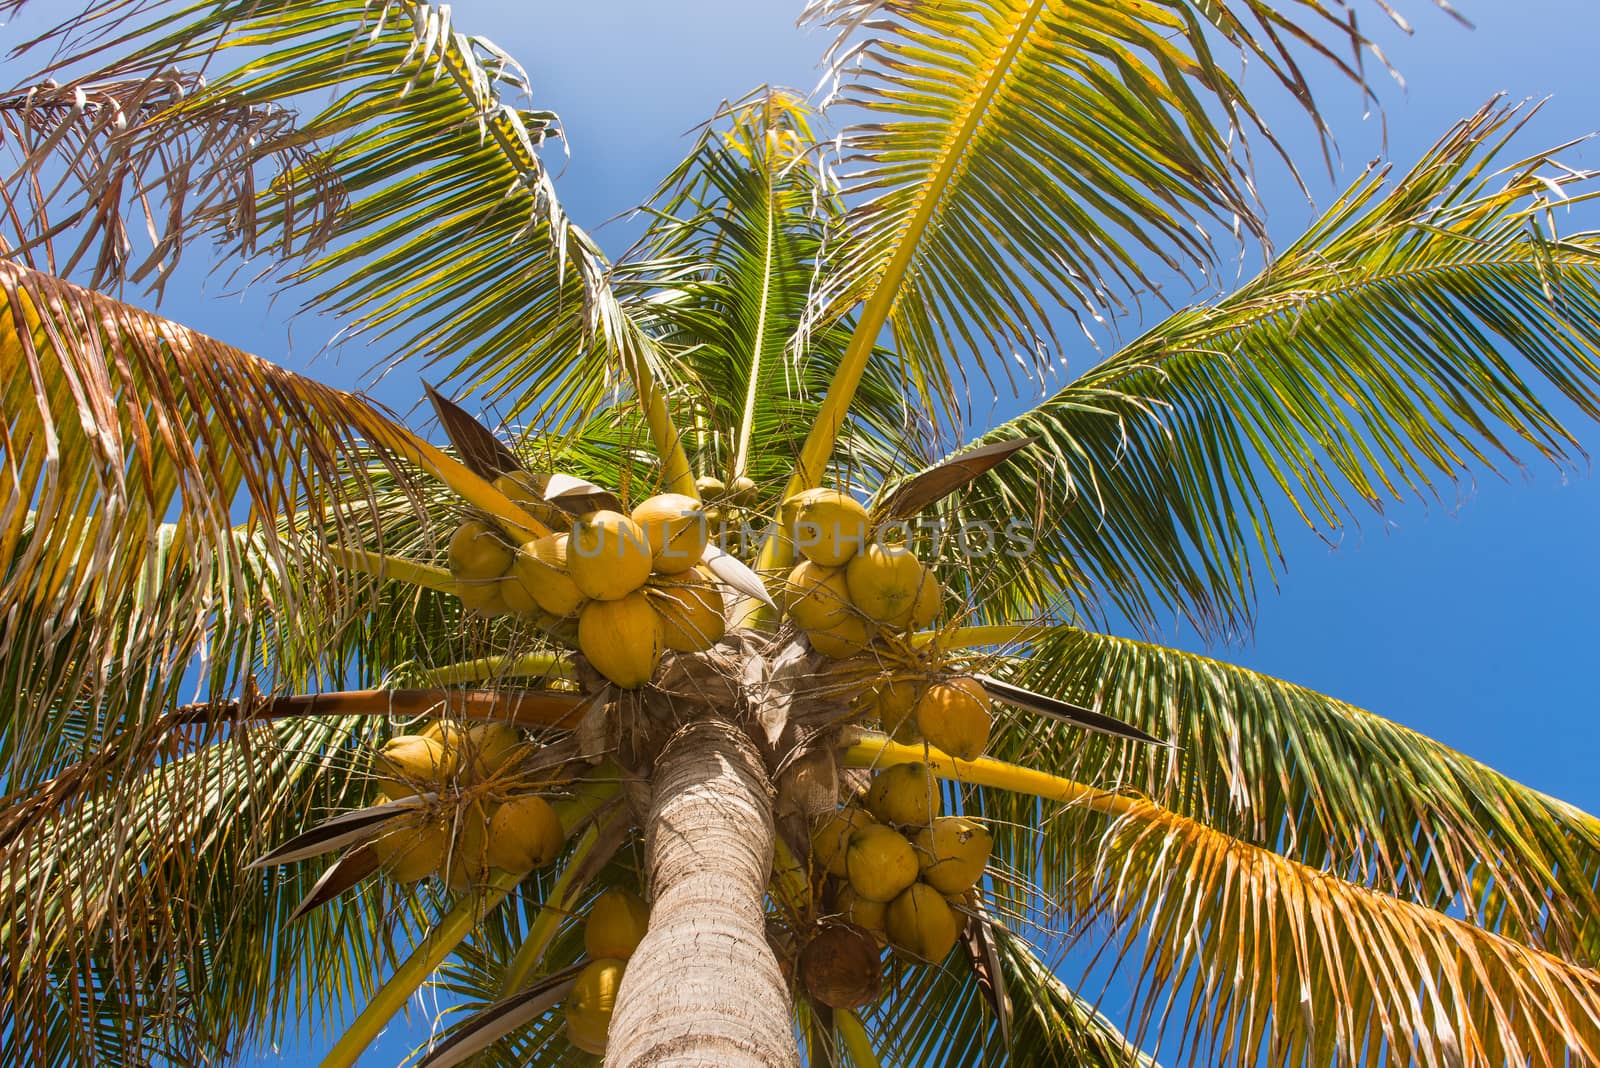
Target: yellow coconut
{"type": "Point", "coordinates": [413, 851]}
{"type": "Point", "coordinates": [524, 834]}
{"type": "Point", "coordinates": [921, 922]}
{"type": "Point", "coordinates": [906, 795]}
{"type": "Point", "coordinates": [467, 859]}
{"type": "Point", "coordinates": [952, 852]}
{"type": "Point", "coordinates": [538, 581]}
{"type": "Point", "coordinates": [482, 597]}
{"type": "Point", "coordinates": [486, 748]}
{"type": "Point", "coordinates": [608, 555]}
{"type": "Point", "coordinates": [833, 834]}
{"type": "Point", "coordinates": [622, 639]}
{"type": "Point", "coordinates": [591, 1003]}
{"type": "Point", "coordinates": [478, 553]}
{"type": "Point", "coordinates": [884, 581]}
{"type": "Point", "coordinates": [816, 597]}
{"type": "Point", "coordinates": [895, 705]}
{"type": "Point", "coordinates": [840, 968]}
{"type": "Point", "coordinates": [843, 640]}
{"type": "Point", "coordinates": [412, 764]}
{"type": "Point", "coordinates": [865, 914]}
{"type": "Point", "coordinates": [615, 925]}
{"type": "Point", "coordinates": [929, 602]}
{"type": "Point", "coordinates": [954, 716]}
{"type": "Point", "coordinates": [879, 863]}
{"type": "Point", "coordinates": [676, 528]}
{"type": "Point", "coordinates": [830, 527]}
{"type": "Point", "coordinates": [446, 732]}
{"type": "Point", "coordinates": [690, 606]}
{"type": "Point", "coordinates": [710, 488]}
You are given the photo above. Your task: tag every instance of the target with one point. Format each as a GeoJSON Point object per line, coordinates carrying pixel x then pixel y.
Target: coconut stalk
{"type": "Point", "coordinates": [874, 750]}
{"type": "Point", "coordinates": [704, 986]}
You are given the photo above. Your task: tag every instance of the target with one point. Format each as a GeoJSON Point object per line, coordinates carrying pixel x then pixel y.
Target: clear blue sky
{"type": "Point", "coordinates": [1471, 620]}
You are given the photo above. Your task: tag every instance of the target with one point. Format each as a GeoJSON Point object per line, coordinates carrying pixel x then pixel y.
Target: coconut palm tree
{"type": "Point", "coordinates": [815, 301]}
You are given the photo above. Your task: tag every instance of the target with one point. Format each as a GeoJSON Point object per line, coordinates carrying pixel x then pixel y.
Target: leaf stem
{"type": "Point", "coordinates": [431, 952]}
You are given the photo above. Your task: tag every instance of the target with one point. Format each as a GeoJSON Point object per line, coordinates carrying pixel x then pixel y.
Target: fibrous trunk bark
{"type": "Point", "coordinates": [704, 988]}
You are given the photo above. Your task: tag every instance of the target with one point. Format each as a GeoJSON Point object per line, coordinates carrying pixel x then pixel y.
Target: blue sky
{"type": "Point", "coordinates": [1471, 619]}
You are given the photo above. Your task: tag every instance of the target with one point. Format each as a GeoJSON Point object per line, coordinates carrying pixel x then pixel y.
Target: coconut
{"type": "Point", "coordinates": [608, 555]}
{"type": "Point", "coordinates": [921, 922]}
{"type": "Point", "coordinates": [710, 487]}
{"type": "Point", "coordinates": [467, 861]}
{"type": "Point", "coordinates": [816, 597]}
{"type": "Point", "coordinates": [954, 716]}
{"type": "Point", "coordinates": [952, 852]}
{"type": "Point", "coordinates": [829, 527]}
{"type": "Point", "coordinates": [589, 1006]}
{"type": "Point", "coordinates": [690, 606]}
{"type": "Point", "coordinates": [676, 528]}
{"type": "Point", "coordinates": [622, 639]}
{"type": "Point", "coordinates": [413, 764]}
{"type": "Point", "coordinates": [615, 925]}
{"type": "Point", "coordinates": [865, 914]}
{"type": "Point", "coordinates": [412, 851]}
{"type": "Point", "coordinates": [743, 491]}
{"type": "Point", "coordinates": [524, 834]}
{"type": "Point", "coordinates": [929, 602]}
{"type": "Point", "coordinates": [840, 968]}
{"type": "Point", "coordinates": [880, 863]}
{"type": "Point", "coordinates": [895, 703]}
{"type": "Point", "coordinates": [843, 640]}
{"type": "Point", "coordinates": [884, 581]}
{"type": "Point", "coordinates": [905, 794]}
{"type": "Point", "coordinates": [482, 597]}
{"type": "Point", "coordinates": [478, 553]}
{"type": "Point", "coordinates": [446, 732]}
{"type": "Point", "coordinates": [538, 581]}
{"type": "Point", "coordinates": [486, 748]}
{"type": "Point", "coordinates": [833, 834]}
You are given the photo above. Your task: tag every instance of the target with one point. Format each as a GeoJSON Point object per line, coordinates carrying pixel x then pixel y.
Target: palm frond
{"type": "Point", "coordinates": [938, 1016]}
{"type": "Point", "coordinates": [1324, 783]}
{"type": "Point", "coordinates": [1253, 957]}
{"type": "Point", "coordinates": [1416, 332]}
{"type": "Point", "coordinates": [450, 244]}
{"type": "Point", "coordinates": [739, 231]}
{"type": "Point", "coordinates": [1009, 157]}
{"type": "Point", "coordinates": [121, 145]}
{"type": "Point", "coordinates": [132, 448]}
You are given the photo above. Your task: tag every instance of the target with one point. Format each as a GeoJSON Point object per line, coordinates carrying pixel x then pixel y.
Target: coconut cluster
{"type": "Point", "coordinates": [899, 869]}
{"type": "Point", "coordinates": [472, 826]}
{"type": "Point", "coordinates": [612, 929]}
{"type": "Point", "coordinates": [851, 588]}
{"type": "Point", "coordinates": [633, 585]}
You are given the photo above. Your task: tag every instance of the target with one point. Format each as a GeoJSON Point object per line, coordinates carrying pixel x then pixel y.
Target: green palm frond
{"type": "Point", "coordinates": [939, 1016]}
{"type": "Point", "coordinates": [724, 272]}
{"type": "Point", "coordinates": [1319, 781]}
{"type": "Point", "coordinates": [136, 904]}
{"type": "Point", "coordinates": [1415, 332]}
{"type": "Point", "coordinates": [133, 446]}
{"type": "Point", "coordinates": [449, 245]}
{"type": "Point", "coordinates": [1010, 157]}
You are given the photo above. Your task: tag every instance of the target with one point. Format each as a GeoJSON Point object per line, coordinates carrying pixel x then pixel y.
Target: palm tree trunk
{"type": "Point", "coordinates": [704, 988]}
